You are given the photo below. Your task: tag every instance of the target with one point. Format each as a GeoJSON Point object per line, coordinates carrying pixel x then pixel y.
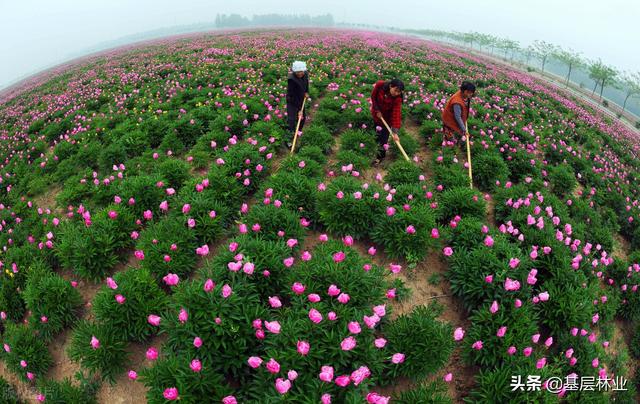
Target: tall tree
{"type": "Point", "coordinates": [543, 50]}
{"type": "Point", "coordinates": [630, 84]}
{"type": "Point", "coordinates": [602, 74]}
{"type": "Point", "coordinates": [570, 58]}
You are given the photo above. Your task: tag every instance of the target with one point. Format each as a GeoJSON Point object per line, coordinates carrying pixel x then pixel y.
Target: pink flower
{"type": "Point", "coordinates": [153, 320]}
{"type": "Point", "coordinates": [183, 316]}
{"type": "Point", "coordinates": [395, 268]}
{"type": "Point", "coordinates": [348, 344]}
{"type": "Point", "coordinates": [343, 298]}
{"type": "Point", "coordinates": [229, 400]}
{"type": "Point", "coordinates": [333, 290]}
{"type": "Point", "coordinates": [171, 393]}
{"type": "Point", "coordinates": [171, 279]}
{"type": "Point", "coordinates": [511, 285]}
{"type": "Point", "coordinates": [315, 316]}
{"type": "Point", "coordinates": [397, 358]}
{"type": "Point", "coordinates": [112, 284]}
{"type": "Point", "coordinates": [197, 342]}
{"type": "Point", "coordinates": [354, 327]}
{"type": "Point", "coordinates": [95, 343]}
{"type": "Point", "coordinates": [343, 381]}
{"type": "Point", "coordinates": [152, 354]}
{"type": "Point", "coordinates": [501, 331]}
{"type": "Point", "coordinates": [347, 240]}
{"type": "Point", "coordinates": [458, 334]}
{"type": "Point", "coordinates": [272, 326]}
{"type": "Point", "coordinates": [380, 342]}
{"type": "Point", "coordinates": [448, 251]}
{"type": "Point", "coordinates": [226, 291]}
{"type": "Point", "coordinates": [273, 366]}
{"type": "Point", "coordinates": [133, 375]}
{"type": "Point", "coordinates": [292, 375]}
{"type": "Point", "coordinates": [282, 386]}
{"type": "Point", "coordinates": [209, 285]}
{"type": "Point", "coordinates": [120, 299]}
{"type": "Point", "coordinates": [326, 398]}
{"type": "Point", "coordinates": [477, 345]}
{"type": "Point", "coordinates": [298, 288]}
{"type": "Point", "coordinates": [303, 347]}
{"type": "Point", "coordinates": [339, 256]}
{"type": "Point", "coordinates": [196, 365]}
{"type": "Point", "coordinates": [326, 374]}
{"type": "Point", "coordinates": [139, 254]}
{"type": "Point", "coordinates": [254, 362]}
{"type": "Point", "coordinates": [494, 307]}
{"type": "Point", "coordinates": [488, 241]}
{"type": "Point", "coordinates": [288, 262]}
{"type": "Point", "coordinates": [435, 233]}
{"type": "Point", "coordinates": [410, 229]}
{"type": "Point", "coordinates": [275, 302]}
{"type": "Point", "coordinates": [527, 351]}
{"type": "Point", "coordinates": [448, 377]}
{"type": "Point", "coordinates": [544, 296]}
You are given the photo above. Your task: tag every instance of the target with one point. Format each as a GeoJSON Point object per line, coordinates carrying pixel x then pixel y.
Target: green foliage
{"type": "Point", "coordinates": [156, 242]}
{"type": "Point", "coordinates": [53, 303]}
{"type": "Point", "coordinates": [426, 393]}
{"type": "Point", "coordinates": [521, 324]}
{"type": "Point", "coordinates": [296, 192]}
{"type": "Point", "coordinates": [461, 201]}
{"type": "Point", "coordinates": [92, 251]}
{"type": "Point", "coordinates": [25, 345]}
{"type": "Point", "coordinates": [394, 233]}
{"type": "Point", "coordinates": [273, 220]}
{"type": "Point", "coordinates": [403, 172]}
{"type": "Point", "coordinates": [108, 359]}
{"type": "Point", "coordinates": [174, 171]}
{"type": "Point", "coordinates": [8, 393]}
{"type": "Point", "coordinates": [487, 169]}
{"type": "Point", "coordinates": [350, 214]}
{"type": "Point", "coordinates": [143, 298]}
{"type": "Point", "coordinates": [300, 165]}
{"type": "Point", "coordinates": [11, 302]}
{"type": "Point", "coordinates": [173, 371]}
{"type": "Point", "coordinates": [468, 269]}
{"type": "Point", "coordinates": [228, 343]}
{"type": "Point", "coordinates": [450, 176]}
{"type": "Point", "coordinates": [563, 180]}
{"type": "Point", "coordinates": [425, 341]}
{"type": "Point", "coordinates": [359, 141]}
{"type": "Point", "coordinates": [66, 391]}
{"type": "Point", "coordinates": [317, 135]}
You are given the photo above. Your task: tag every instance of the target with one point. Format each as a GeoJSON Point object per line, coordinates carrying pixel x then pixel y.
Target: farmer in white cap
{"type": "Point", "coordinates": [297, 91]}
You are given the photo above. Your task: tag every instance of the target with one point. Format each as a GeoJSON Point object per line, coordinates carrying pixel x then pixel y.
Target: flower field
{"type": "Point", "coordinates": [160, 244]}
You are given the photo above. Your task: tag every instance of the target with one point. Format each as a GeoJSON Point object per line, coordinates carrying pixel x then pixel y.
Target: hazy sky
{"type": "Point", "coordinates": [37, 33]}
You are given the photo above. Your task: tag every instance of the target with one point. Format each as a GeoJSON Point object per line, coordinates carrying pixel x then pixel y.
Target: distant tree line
{"type": "Point", "coordinates": [602, 74]}
{"type": "Point", "coordinates": [236, 20]}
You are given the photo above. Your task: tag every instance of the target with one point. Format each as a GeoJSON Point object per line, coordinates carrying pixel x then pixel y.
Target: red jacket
{"type": "Point", "coordinates": [391, 107]}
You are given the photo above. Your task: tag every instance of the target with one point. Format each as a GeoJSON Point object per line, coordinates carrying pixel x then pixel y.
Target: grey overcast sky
{"type": "Point", "coordinates": [35, 34]}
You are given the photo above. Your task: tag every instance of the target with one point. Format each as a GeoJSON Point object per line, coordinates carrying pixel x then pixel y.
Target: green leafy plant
{"type": "Point", "coordinates": [425, 341]}
{"type": "Point", "coordinates": [53, 302]}
{"type": "Point", "coordinates": [25, 345]}
{"type": "Point", "coordinates": [99, 349]}
{"type": "Point", "coordinates": [143, 297]}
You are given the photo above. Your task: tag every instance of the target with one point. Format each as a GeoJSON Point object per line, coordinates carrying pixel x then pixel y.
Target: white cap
{"type": "Point", "coordinates": [299, 66]}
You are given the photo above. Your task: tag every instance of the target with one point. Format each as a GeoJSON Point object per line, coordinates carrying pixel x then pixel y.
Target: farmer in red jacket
{"type": "Point", "coordinates": [456, 111]}
{"type": "Point", "coordinates": [386, 103]}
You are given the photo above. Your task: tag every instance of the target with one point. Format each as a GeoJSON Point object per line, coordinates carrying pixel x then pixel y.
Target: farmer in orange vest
{"type": "Point", "coordinates": [386, 103]}
{"type": "Point", "coordinates": [456, 111]}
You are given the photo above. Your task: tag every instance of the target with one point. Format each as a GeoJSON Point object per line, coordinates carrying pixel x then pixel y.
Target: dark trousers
{"type": "Point", "coordinates": [382, 136]}
{"type": "Point", "coordinates": [292, 118]}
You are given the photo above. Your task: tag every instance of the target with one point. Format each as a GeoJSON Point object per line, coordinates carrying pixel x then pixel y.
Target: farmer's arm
{"type": "Point", "coordinates": [374, 99]}
{"type": "Point", "coordinates": [457, 112]}
{"type": "Point", "coordinates": [396, 114]}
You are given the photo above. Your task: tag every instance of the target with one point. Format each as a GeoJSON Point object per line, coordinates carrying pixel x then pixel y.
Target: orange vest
{"type": "Point", "coordinates": [448, 117]}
